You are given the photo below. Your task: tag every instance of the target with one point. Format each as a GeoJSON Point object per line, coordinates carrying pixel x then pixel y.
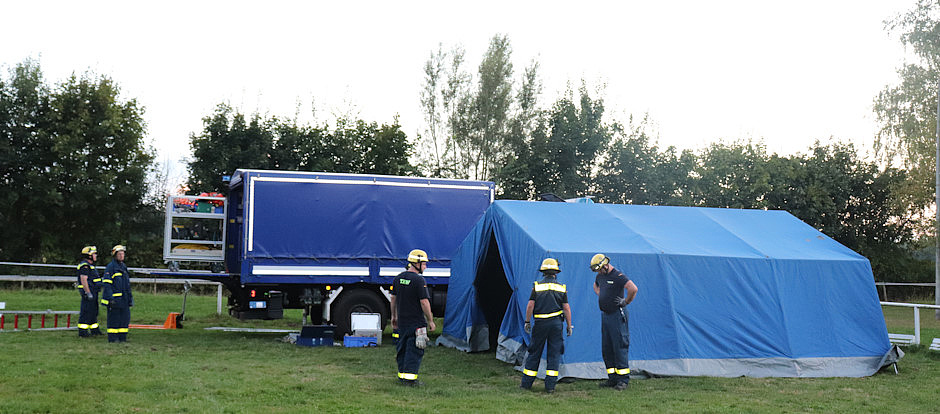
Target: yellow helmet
{"type": "Point", "coordinates": [549, 264]}
{"type": "Point", "coordinates": [417, 256]}
{"type": "Point", "coordinates": [89, 250]}
{"type": "Point", "coordinates": [598, 261]}
{"type": "Point", "coordinates": [118, 248]}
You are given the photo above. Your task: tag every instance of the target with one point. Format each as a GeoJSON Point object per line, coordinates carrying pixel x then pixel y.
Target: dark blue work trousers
{"type": "Point", "coordinates": [88, 315]}
{"type": "Point", "coordinates": [118, 321]}
{"type": "Point", "coordinates": [615, 344]}
{"type": "Point", "coordinates": [545, 333]}
{"type": "Point", "coordinates": [409, 355]}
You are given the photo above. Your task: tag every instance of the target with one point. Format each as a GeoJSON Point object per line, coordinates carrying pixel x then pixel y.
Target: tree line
{"type": "Point", "coordinates": [74, 164]}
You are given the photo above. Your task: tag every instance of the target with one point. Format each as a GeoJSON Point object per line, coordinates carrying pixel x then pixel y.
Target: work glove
{"type": "Point", "coordinates": [89, 296]}
{"type": "Point", "coordinates": [621, 302]}
{"type": "Point", "coordinates": [528, 327]}
{"type": "Point", "coordinates": [570, 329]}
{"type": "Point", "coordinates": [421, 338]}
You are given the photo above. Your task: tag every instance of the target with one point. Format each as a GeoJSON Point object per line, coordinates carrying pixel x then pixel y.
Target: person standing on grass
{"type": "Point", "coordinates": [609, 285]}
{"type": "Point", "coordinates": [411, 316]}
{"type": "Point", "coordinates": [89, 283]}
{"type": "Point", "coordinates": [548, 303]}
{"type": "Point", "coordinates": [118, 296]}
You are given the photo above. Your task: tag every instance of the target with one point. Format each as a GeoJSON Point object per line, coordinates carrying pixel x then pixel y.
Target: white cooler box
{"type": "Point", "coordinates": [368, 325]}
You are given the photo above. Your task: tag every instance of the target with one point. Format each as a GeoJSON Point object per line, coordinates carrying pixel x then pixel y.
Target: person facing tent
{"type": "Point", "coordinates": [548, 303]}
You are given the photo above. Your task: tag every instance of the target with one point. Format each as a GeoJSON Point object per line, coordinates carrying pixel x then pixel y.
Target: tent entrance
{"type": "Point", "coordinates": [493, 291]}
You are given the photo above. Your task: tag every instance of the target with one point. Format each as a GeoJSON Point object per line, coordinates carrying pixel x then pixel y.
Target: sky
{"type": "Point", "coordinates": [787, 73]}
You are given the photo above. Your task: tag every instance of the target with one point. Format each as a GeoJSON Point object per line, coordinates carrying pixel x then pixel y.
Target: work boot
{"type": "Point", "coordinates": [606, 384]}
{"type": "Point", "coordinates": [621, 386]}
{"type": "Point", "coordinates": [549, 390]}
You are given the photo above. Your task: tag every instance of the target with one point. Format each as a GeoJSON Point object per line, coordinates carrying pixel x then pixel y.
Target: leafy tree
{"type": "Point", "coordinates": [907, 110]}
{"type": "Point", "coordinates": [467, 126]}
{"type": "Point", "coordinates": [491, 107]}
{"type": "Point", "coordinates": [732, 176]}
{"type": "Point", "coordinates": [562, 152]}
{"type": "Point", "coordinates": [229, 142]}
{"type": "Point", "coordinates": [74, 166]}
{"type": "Point", "coordinates": [513, 171]}
{"type": "Point", "coordinates": [635, 171]}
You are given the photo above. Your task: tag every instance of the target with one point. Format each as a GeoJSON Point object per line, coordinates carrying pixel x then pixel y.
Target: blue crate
{"type": "Point", "coordinates": [359, 341]}
{"type": "Point", "coordinates": [315, 341]}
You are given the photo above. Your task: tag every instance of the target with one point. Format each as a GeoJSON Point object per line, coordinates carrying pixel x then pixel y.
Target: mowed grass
{"type": "Point", "coordinates": [194, 370]}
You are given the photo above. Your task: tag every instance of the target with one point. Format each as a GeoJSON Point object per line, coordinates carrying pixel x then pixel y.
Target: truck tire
{"type": "Point", "coordinates": [357, 301]}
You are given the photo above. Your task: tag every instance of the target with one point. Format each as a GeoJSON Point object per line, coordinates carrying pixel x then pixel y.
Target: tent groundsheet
{"type": "Point", "coordinates": [722, 292]}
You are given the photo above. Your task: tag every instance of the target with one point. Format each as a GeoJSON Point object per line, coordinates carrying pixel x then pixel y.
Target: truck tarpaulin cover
{"type": "Point", "coordinates": [722, 292]}
{"type": "Point", "coordinates": [340, 216]}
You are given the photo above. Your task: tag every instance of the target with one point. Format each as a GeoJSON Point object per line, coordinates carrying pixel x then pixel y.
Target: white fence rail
{"type": "Point", "coordinates": [135, 280]}
{"type": "Point", "coordinates": [917, 307]}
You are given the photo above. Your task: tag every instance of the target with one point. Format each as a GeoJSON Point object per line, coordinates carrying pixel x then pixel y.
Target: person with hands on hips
{"type": "Point", "coordinates": [609, 285]}
{"type": "Point", "coordinates": [411, 316]}
{"type": "Point", "coordinates": [548, 303]}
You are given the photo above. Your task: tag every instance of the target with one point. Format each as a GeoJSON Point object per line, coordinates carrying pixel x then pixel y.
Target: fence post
{"type": "Point", "coordinates": [218, 300]}
{"type": "Point", "coordinates": [916, 325]}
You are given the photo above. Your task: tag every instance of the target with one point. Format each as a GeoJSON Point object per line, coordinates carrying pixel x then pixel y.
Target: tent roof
{"type": "Point", "coordinates": [696, 231]}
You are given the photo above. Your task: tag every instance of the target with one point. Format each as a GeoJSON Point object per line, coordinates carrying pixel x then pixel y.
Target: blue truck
{"type": "Point", "coordinates": [331, 244]}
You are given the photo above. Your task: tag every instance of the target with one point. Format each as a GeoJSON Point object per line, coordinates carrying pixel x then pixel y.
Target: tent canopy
{"type": "Point", "coordinates": [722, 292]}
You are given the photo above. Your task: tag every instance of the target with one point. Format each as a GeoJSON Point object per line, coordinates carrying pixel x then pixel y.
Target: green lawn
{"type": "Point", "coordinates": [193, 370]}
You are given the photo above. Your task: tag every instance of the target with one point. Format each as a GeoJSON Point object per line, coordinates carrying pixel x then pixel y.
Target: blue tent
{"type": "Point", "coordinates": [722, 292]}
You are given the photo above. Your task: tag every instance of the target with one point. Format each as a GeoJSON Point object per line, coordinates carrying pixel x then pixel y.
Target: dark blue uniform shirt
{"type": "Point", "coordinates": [117, 287]}
{"type": "Point", "coordinates": [94, 281]}
{"type": "Point", "coordinates": [549, 296]}
{"type": "Point", "coordinates": [611, 288]}
{"type": "Point", "coordinates": [409, 288]}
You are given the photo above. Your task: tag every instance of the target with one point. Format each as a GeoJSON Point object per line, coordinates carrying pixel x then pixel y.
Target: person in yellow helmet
{"type": "Point", "coordinates": [117, 295]}
{"type": "Point", "coordinates": [89, 283]}
{"type": "Point", "coordinates": [411, 316]}
{"type": "Point", "coordinates": [548, 303]}
{"type": "Point", "coordinates": [609, 285]}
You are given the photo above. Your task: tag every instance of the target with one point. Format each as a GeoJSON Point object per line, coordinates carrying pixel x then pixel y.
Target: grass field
{"type": "Point", "coordinates": [194, 370]}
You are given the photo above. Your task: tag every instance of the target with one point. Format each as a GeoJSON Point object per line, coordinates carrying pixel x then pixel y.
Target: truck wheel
{"type": "Point", "coordinates": [357, 301]}
{"type": "Point", "coordinates": [174, 266]}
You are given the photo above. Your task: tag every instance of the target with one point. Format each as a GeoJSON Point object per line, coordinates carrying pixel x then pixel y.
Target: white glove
{"type": "Point", "coordinates": [421, 338]}
{"type": "Point", "coordinates": [527, 327]}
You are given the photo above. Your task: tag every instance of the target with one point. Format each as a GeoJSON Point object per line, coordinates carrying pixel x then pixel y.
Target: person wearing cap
{"type": "Point", "coordinates": [411, 316]}
{"type": "Point", "coordinates": [548, 303]}
{"type": "Point", "coordinates": [89, 283]}
{"type": "Point", "coordinates": [117, 295]}
{"type": "Point", "coordinates": [609, 285]}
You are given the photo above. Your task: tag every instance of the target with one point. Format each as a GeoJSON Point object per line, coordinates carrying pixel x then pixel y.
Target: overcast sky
{"type": "Point", "coordinates": [785, 72]}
